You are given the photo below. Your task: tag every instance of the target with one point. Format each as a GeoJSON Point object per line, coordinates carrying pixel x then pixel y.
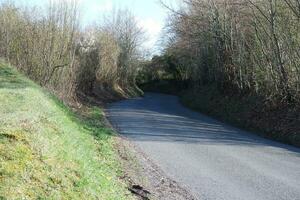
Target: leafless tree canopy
{"type": "Point", "coordinates": [242, 45]}
{"type": "Point", "coordinates": [50, 47]}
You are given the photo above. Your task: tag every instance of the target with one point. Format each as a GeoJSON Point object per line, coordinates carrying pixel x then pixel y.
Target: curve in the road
{"type": "Point", "coordinates": [214, 160]}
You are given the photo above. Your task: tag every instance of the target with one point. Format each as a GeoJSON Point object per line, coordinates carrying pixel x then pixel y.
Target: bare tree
{"type": "Point", "coordinates": [244, 45]}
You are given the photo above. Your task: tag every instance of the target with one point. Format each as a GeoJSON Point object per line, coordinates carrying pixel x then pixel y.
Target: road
{"type": "Point", "coordinates": [213, 160]}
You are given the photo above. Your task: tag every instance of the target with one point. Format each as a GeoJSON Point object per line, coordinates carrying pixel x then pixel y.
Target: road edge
{"type": "Point", "coordinates": [139, 170]}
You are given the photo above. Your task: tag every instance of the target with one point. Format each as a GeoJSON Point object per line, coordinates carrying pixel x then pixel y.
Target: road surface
{"type": "Point", "coordinates": [213, 160]}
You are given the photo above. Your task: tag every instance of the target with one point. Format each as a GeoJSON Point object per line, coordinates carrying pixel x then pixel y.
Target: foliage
{"type": "Point", "coordinates": [246, 46]}
{"type": "Point", "coordinates": [51, 48]}
{"type": "Point", "coordinates": [237, 60]}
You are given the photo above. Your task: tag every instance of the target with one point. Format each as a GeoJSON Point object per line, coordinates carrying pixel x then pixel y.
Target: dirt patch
{"type": "Point", "coordinates": [141, 172]}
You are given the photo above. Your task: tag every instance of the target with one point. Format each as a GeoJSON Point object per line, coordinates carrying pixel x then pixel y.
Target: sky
{"type": "Point", "coordinates": [150, 14]}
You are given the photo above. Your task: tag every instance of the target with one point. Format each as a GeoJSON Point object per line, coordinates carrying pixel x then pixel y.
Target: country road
{"type": "Point", "coordinates": [213, 160]}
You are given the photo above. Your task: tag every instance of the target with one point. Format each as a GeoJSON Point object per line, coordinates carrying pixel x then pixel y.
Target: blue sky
{"type": "Point", "coordinates": [149, 13]}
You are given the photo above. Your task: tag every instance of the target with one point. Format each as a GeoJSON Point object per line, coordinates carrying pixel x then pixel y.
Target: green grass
{"type": "Point", "coordinates": [48, 152]}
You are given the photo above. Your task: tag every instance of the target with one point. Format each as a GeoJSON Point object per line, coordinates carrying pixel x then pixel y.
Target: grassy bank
{"type": "Point", "coordinates": [48, 152]}
{"type": "Point", "coordinates": [277, 122]}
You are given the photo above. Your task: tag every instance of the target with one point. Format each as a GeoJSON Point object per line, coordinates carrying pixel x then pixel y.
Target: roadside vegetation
{"type": "Point", "coordinates": [49, 152]}
{"type": "Point", "coordinates": [50, 46]}
{"type": "Point", "coordinates": [53, 143]}
{"type": "Point", "coordinates": [235, 59]}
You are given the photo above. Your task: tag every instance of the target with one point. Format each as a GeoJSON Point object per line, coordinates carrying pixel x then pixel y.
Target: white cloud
{"type": "Point", "coordinates": [93, 9]}
{"type": "Point", "coordinates": [105, 6]}
{"type": "Point", "coordinates": [153, 30]}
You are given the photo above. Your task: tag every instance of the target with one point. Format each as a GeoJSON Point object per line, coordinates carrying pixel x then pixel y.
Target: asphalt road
{"type": "Point", "coordinates": [213, 160]}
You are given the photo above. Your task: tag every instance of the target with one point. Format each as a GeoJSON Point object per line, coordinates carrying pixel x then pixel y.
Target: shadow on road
{"type": "Point", "coordinates": [166, 121]}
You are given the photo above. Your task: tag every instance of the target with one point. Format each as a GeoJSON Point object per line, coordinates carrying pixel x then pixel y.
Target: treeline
{"type": "Point", "coordinates": [236, 60]}
{"type": "Point", "coordinates": [49, 45]}
{"type": "Point", "coordinates": [242, 46]}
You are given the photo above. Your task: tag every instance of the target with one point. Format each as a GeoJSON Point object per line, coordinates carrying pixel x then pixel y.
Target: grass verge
{"type": "Point", "coordinates": [48, 152]}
